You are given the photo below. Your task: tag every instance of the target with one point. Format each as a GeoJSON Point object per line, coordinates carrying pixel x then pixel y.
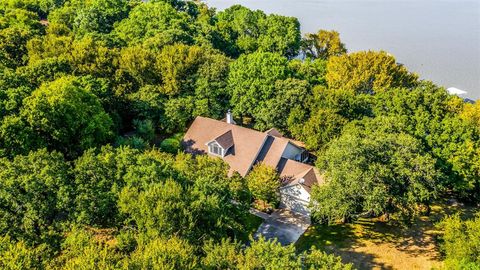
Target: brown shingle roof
{"type": "Point", "coordinates": [225, 140]}
{"type": "Point", "coordinates": [247, 142]}
{"type": "Point", "coordinates": [274, 153]}
{"type": "Point", "coordinates": [291, 172]}
{"type": "Point", "coordinates": [247, 147]}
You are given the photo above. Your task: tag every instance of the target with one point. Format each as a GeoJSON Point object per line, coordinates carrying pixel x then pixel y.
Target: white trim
{"type": "Point", "coordinates": [222, 150]}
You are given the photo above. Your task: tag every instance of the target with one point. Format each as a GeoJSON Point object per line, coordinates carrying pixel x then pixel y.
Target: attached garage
{"type": "Point", "coordinates": [296, 198]}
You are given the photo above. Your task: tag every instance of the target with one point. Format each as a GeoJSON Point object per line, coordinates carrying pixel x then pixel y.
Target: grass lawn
{"type": "Point", "coordinates": [372, 244]}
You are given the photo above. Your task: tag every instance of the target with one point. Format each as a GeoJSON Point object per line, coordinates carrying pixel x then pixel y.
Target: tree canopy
{"type": "Point", "coordinates": [90, 89]}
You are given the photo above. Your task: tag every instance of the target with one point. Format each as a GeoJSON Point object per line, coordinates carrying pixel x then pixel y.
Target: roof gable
{"type": "Point", "coordinates": [225, 140]}
{"type": "Point", "coordinates": [246, 147]}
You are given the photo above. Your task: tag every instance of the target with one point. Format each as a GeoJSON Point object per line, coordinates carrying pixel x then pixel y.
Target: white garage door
{"type": "Point", "coordinates": [293, 203]}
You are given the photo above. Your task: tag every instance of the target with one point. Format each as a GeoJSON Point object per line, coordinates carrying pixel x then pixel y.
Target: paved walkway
{"type": "Point", "coordinates": [284, 225]}
{"type": "Point", "coordinates": [259, 214]}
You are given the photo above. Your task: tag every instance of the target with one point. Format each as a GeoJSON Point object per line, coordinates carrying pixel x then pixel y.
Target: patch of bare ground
{"type": "Point", "coordinates": [373, 244]}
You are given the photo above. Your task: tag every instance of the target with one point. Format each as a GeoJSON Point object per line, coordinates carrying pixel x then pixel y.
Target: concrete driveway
{"type": "Point", "coordinates": [284, 225]}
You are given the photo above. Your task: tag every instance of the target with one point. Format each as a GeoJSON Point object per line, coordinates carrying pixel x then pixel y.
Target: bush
{"type": "Point", "coordinates": [172, 144]}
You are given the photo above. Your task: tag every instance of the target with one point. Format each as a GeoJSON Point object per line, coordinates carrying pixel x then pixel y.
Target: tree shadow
{"type": "Point", "coordinates": [418, 238]}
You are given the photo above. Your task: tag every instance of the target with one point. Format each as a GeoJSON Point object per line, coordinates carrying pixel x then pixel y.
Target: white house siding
{"type": "Point", "coordinates": [291, 151]}
{"type": "Point", "coordinates": [295, 198]}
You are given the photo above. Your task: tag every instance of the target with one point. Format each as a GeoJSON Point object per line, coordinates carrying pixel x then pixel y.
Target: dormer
{"type": "Point", "coordinates": [220, 145]}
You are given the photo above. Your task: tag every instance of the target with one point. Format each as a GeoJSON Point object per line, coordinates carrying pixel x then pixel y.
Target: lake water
{"type": "Point", "coordinates": [437, 39]}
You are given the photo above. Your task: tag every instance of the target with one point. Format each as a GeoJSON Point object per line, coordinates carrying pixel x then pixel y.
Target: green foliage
{"type": "Point", "coordinates": [97, 177]}
{"type": "Point", "coordinates": [317, 259]}
{"type": "Point", "coordinates": [323, 45]}
{"type": "Point", "coordinates": [461, 242]}
{"type": "Point", "coordinates": [76, 74]}
{"type": "Point", "coordinates": [245, 31]}
{"type": "Point", "coordinates": [36, 195]}
{"type": "Point", "coordinates": [290, 94]}
{"type": "Point", "coordinates": [82, 251]}
{"type": "Point", "coordinates": [66, 117]}
{"type": "Point", "coordinates": [173, 253]}
{"type": "Point", "coordinates": [263, 182]}
{"type": "Point", "coordinates": [263, 254]}
{"type": "Point", "coordinates": [172, 144]}
{"type": "Point", "coordinates": [188, 205]}
{"type": "Point", "coordinates": [367, 72]}
{"type": "Point", "coordinates": [155, 22]}
{"type": "Point", "coordinates": [252, 81]}
{"type": "Point", "coordinates": [18, 255]}
{"type": "Point", "coordinates": [144, 129]}
{"type": "Point", "coordinates": [433, 115]}
{"type": "Point", "coordinates": [374, 168]}
{"type": "Point", "coordinates": [13, 47]}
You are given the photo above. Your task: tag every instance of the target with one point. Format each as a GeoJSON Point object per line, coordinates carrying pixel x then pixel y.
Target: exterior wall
{"type": "Point", "coordinates": [295, 198]}
{"type": "Point", "coordinates": [291, 151]}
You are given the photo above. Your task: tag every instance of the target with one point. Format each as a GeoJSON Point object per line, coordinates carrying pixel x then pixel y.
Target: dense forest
{"type": "Point", "coordinates": [87, 88]}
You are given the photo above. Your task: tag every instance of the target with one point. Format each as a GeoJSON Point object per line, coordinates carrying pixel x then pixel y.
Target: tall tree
{"type": "Point", "coordinates": [157, 21]}
{"type": "Point", "coordinates": [461, 242]}
{"type": "Point", "coordinates": [324, 44]}
{"type": "Point", "coordinates": [245, 31]}
{"type": "Point", "coordinates": [374, 169]}
{"type": "Point", "coordinates": [367, 72]}
{"type": "Point", "coordinates": [36, 196]}
{"type": "Point", "coordinates": [67, 117]}
{"type": "Point", "coordinates": [263, 182]}
{"type": "Point", "coordinates": [252, 81]}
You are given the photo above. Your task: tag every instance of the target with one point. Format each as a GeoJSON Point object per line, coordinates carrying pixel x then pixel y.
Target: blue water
{"type": "Point", "coordinates": [439, 40]}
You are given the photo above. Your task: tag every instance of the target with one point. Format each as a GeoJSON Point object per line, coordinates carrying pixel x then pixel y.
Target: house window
{"type": "Point", "coordinates": [215, 149]}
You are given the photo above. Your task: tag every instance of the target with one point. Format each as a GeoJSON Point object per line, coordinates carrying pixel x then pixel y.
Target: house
{"type": "Point", "coordinates": [242, 148]}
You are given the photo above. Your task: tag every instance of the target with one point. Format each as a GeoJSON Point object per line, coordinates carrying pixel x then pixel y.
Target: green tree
{"type": "Point", "coordinates": [280, 34]}
{"type": "Point", "coordinates": [36, 196]}
{"type": "Point", "coordinates": [317, 259]}
{"type": "Point", "coordinates": [98, 176]}
{"type": "Point", "coordinates": [325, 113]}
{"type": "Point", "coordinates": [367, 72]}
{"type": "Point", "coordinates": [45, 70]}
{"type": "Point", "coordinates": [16, 137]}
{"type": "Point", "coordinates": [374, 168]}
{"type": "Point", "coordinates": [90, 56]}
{"type": "Point", "coordinates": [461, 242]}
{"type": "Point", "coordinates": [321, 126]}
{"type": "Point", "coordinates": [139, 62]}
{"type": "Point", "coordinates": [264, 254]}
{"type": "Point", "coordinates": [289, 94]}
{"type": "Point", "coordinates": [81, 249]}
{"type": "Point", "coordinates": [13, 47]}
{"type": "Point", "coordinates": [185, 197]}
{"type": "Point", "coordinates": [67, 117]}
{"type": "Point", "coordinates": [324, 44]}
{"type": "Point", "coordinates": [245, 31]}
{"type": "Point", "coordinates": [252, 81]}
{"type": "Point", "coordinates": [436, 117]}
{"type": "Point", "coordinates": [263, 182]}
{"type": "Point", "coordinates": [172, 253]}
{"type": "Point", "coordinates": [155, 20]}
{"type": "Point", "coordinates": [471, 113]}
{"type": "Point", "coordinates": [18, 255]}
{"type": "Point", "coordinates": [99, 16]}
